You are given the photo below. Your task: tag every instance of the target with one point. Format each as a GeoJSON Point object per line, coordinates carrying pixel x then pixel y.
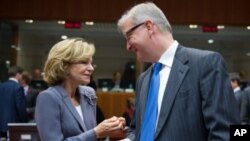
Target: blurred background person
{"type": "Point", "coordinates": [235, 83]}
{"type": "Point", "coordinates": [245, 106]}
{"type": "Point", "coordinates": [12, 101]}
{"type": "Point", "coordinates": [116, 84]}
{"type": "Point", "coordinates": [30, 94]}
{"type": "Point", "coordinates": [37, 74]}
{"type": "Point", "coordinates": [66, 110]}
{"type": "Point", "coordinates": [37, 81]}
{"type": "Point", "coordinates": [128, 78]}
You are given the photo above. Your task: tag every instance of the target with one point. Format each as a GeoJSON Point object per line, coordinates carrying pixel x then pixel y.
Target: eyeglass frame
{"type": "Point", "coordinates": [132, 29]}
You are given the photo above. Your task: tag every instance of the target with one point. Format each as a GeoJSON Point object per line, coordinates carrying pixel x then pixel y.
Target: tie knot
{"type": "Point", "coordinates": [157, 67]}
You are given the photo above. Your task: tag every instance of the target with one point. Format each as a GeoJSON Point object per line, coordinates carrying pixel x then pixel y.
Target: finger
{"type": "Point", "coordinates": [119, 127]}
{"type": "Point", "coordinates": [122, 120]}
{"type": "Point", "coordinates": [112, 119]}
{"type": "Point", "coordinates": [114, 123]}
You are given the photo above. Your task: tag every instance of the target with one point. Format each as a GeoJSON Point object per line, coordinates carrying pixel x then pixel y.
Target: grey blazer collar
{"type": "Point", "coordinates": [86, 94]}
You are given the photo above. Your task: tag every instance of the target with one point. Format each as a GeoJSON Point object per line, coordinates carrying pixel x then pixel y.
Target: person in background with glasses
{"type": "Point", "coordinates": [194, 93]}
{"type": "Point", "coordinates": [67, 110]}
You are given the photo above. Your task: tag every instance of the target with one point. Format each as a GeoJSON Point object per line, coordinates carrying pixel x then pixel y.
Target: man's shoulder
{"type": "Point", "coordinates": [197, 54]}
{"type": "Point", "coordinates": [247, 90]}
{"type": "Point", "coordinates": [10, 83]}
{"type": "Point", "coordinates": [196, 51]}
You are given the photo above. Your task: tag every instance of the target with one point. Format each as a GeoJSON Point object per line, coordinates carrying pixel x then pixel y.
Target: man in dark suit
{"type": "Point", "coordinates": [30, 94]}
{"type": "Point", "coordinates": [12, 101]}
{"type": "Point", "coordinates": [194, 93]}
{"type": "Point", "coordinates": [245, 106]}
{"type": "Point", "coordinates": [235, 83]}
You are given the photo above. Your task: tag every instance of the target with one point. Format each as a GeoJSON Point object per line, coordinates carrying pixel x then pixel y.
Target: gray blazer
{"type": "Point", "coordinates": [198, 103]}
{"type": "Point", "coordinates": [58, 120]}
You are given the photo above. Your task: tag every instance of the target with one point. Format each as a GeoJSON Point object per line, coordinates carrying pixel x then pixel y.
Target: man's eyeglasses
{"type": "Point", "coordinates": [133, 29]}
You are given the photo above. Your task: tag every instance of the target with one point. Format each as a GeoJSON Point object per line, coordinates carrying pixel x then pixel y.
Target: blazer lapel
{"type": "Point", "coordinates": [176, 76]}
{"type": "Point", "coordinates": [70, 107]}
{"type": "Point", "coordinates": [89, 122]}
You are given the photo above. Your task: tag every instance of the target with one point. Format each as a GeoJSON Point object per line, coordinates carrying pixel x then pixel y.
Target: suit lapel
{"type": "Point", "coordinates": [176, 76]}
{"type": "Point", "coordinates": [70, 107]}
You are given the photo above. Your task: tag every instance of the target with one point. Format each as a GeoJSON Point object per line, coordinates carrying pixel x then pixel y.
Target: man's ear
{"type": "Point", "coordinates": [149, 24]}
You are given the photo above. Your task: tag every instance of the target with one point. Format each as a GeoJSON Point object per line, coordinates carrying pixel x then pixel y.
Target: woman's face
{"type": "Point", "coordinates": [80, 72]}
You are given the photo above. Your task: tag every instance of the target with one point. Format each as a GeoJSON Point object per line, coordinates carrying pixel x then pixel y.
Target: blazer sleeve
{"type": "Point", "coordinates": [244, 114]}
{"type": "Point", "coordinates": [219, 106]}
{"type": "Point", "coordinates": [47, 115]}
{"type": "Point", "coordinates": [48, 120]}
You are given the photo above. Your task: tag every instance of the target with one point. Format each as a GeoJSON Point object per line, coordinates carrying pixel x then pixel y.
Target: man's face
{"type": "Point", "coordinates": [19, 77]}
{"type": "Point", "coordinates": [234, 84]}
{"type": "Point", "coordinates": [137, 39]}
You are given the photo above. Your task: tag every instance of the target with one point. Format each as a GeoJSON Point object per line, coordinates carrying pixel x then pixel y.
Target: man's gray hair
{"type": "Point", "coordinates": [147, 11]}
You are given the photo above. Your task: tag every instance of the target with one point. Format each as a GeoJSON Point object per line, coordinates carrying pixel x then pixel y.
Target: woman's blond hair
{"type": "Point", "coordinates": [64, 53]}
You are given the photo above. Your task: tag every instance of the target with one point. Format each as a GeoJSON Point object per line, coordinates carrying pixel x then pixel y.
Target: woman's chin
{"type": "Point", "coordinates": [86, 82]}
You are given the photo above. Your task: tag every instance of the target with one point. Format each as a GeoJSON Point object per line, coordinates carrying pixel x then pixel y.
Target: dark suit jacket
{"type": "Point", "coordinates": [245, 106]}
{"type": "Point", "coordinates": [12, 104]}
{"type": "Point", "coordinates": [238, 96]}
{"type": "Point", "coordinates": [31, 102]}
{"type": "Point", "coordinates": [198, 103]}
{"type": "Point", "coordinates": [57, 118]}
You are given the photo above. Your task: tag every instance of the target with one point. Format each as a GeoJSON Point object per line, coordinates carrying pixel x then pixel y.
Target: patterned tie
{"type": "Point", "coordinates": [151, 110]}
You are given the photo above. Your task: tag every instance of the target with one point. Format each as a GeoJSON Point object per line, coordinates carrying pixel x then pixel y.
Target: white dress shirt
{"type": "Point", "coordinates": [167, 60]}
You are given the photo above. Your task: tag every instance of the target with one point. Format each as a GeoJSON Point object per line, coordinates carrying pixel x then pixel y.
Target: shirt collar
{"type": "Point", "coordinates": [236, 89]}
{"type": "Point", "coordinates": [168, 56]}
{"type": "Point", "coordinates": [13, 79]}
